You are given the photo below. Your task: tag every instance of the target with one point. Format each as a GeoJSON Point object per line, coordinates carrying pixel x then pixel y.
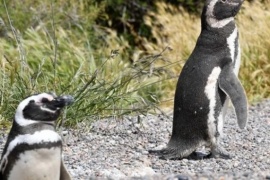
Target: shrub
{"type": "Point", "coordinates": [95, 70]}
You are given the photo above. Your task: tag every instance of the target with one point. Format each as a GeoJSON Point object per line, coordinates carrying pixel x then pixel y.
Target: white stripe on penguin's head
{"type": "Point", "coordinates": [221, 12]}
{"type": "Point", "coordinates": [212, 20]}
{"type": "Point", "coordinates": [19, 117]}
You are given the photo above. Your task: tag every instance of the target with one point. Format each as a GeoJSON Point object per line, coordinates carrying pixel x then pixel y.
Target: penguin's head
{"type": "Point", "coordinates": [221, 11]}
{"type": "Point", "coordinates": [44, 107]}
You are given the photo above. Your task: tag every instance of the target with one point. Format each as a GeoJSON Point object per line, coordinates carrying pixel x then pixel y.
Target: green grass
{"type": "Point", "coordinates": [103, 85]}
{"type": "Point", "coordinates": [61, 49]}
{"type": "Point", "coordinates": [90, 65]}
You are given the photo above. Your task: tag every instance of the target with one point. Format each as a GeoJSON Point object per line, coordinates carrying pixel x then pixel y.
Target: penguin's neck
{"type": "Point", "coordinates": [32, 128]}
{"type": "Point", "coordinates": [214, 23]}
{"type": "Point", "coordinates": [210, 22]}
{"type": "Point", "coordinates": [215, 38]}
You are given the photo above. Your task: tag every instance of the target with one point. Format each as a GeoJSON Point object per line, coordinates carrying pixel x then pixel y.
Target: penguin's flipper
{"type": "Point", "coordinates": [231, 86]}
{"type": "Point", "coordinates": [64, 175]}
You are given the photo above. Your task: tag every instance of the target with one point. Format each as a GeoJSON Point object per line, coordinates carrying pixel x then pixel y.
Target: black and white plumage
{"type": "Point", "coordinates": [207, 81]}
{"type": "Point", "coordinates": [33, 149]}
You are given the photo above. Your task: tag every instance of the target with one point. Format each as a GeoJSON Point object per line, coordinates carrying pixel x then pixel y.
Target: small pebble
{"type": "Point", "coordinates": [118, 148]}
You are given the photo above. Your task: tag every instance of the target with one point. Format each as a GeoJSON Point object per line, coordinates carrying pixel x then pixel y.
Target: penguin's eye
{"type": "Point", "coordinates": [44, 100]}
{"type": "Point", "coordinates": [223, 1]}
{"type": "Point", "coordinates": [31, 101]}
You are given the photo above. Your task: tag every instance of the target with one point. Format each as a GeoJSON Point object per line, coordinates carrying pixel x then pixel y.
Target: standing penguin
{"type": "Point", "coordinates": [207, 80]}
{"type": "Point", "coordinates": [33, 149]}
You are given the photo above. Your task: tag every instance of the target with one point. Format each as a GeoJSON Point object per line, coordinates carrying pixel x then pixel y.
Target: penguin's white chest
{"type": "Point", "coordinates": [39, 164]}
{"type": "Point", "coordinates": [234, 52]}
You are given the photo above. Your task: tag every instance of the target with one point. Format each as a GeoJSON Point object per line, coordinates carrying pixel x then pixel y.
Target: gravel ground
{"type": "Point", "coordinates": [118, 149]}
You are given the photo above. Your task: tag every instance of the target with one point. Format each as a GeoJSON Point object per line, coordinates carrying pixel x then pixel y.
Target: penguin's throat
{"type": "Point", "coordinates": [20, 120]}
{"type": "Point", "coordinates": [215, 23]}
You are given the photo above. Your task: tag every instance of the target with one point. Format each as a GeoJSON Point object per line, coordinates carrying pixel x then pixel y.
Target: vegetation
{"type": "Point", "coordinates": [76, 47]}
{"type": "Point", "coordinates": [175, 27]}
{"type": "Point", "coordinates": [255, 68]}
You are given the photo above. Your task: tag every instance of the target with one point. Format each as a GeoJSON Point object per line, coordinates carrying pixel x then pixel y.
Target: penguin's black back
{"type": "Point", "coordinates": [191, 105]}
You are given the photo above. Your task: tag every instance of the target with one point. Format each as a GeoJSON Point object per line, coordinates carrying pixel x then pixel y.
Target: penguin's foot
{"type": "Point", "coordinates": [219, 152]}
{"type": "Point", "coordinates": [198, 155]}
{"type": "Point", "coordinates": [164, 153]}
{"type": "Point", "coordinates": [171, 153]}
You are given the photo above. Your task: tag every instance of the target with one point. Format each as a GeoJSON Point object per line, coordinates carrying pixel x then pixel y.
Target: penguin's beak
{"type": "Point", "coordinates": [62, 101]}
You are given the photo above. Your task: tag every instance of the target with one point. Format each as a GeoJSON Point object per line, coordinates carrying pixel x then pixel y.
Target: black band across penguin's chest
{"type": "Point", "coordinates": [20, 149]}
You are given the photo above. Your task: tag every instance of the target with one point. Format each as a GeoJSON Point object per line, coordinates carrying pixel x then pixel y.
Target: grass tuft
{"type": "Point", "coordinates": [103, 83]}
{"type": "Point", "coordinates": [70, 54]}
{"type": "Point", "coordinates": [254, 25]}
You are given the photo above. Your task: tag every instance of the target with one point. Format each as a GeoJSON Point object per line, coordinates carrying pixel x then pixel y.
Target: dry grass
{"type": "Point", "coordinates": [60, 49]}
{"type": "Point", "coordinates": [102, 82]}
{"type": "Point", "coordinates": [176, 28]}
{"type": "Point", "coordinates": [254, 25]}
{"type": "Point", "coordinates": [104, 85]}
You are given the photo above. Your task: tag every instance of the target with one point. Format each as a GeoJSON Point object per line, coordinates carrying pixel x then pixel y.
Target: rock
{"type": "Point", "coordinates": [178, 177]}
{"type": "Point", "coordinates": [139, 171]}
{"type": "Point", "coordinates": [112, 173]}
{"type": "Point", "coordinates": [112, 151]}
